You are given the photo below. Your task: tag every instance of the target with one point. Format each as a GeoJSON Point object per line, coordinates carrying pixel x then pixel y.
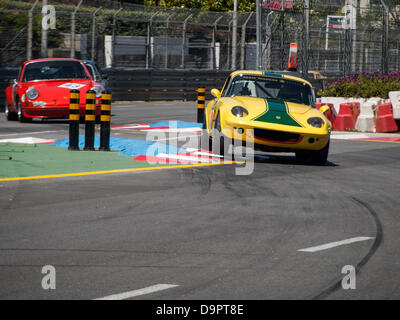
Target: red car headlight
{"type": "Point", "coordinates": [32, 93]}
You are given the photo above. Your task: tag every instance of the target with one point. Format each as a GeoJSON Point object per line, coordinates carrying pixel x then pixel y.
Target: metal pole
{"type": "Point", "coordinates": [94, 33]}
{"type": "Point", "coordinates": [243, 41]}
{"type": "Point", "coordinates": [319, 47]}
{"type": "Point", "coordinates": [30, 32]}
{"type": "Point", "coordinates": [148, 41]}
{"type": "Point", "coordinates": [397, 55]}
{"type": "Point", "coordinates": [166, 42]}
{"type": "Point", "coordinates": [43, 47]}
{"type": "Point", "coordinates": [307, 36]}
{"type": "Point", "coordinates": [268, 37]}
{"type": "Point", "coordinates": [229, 46]}
{"type": "Point", "coordinates": [214, 35]}
{"type": "Point", "coordinates": [184, 41]}
{"type": "Point", "coordinates": [113, 36]}
{"type": "Point", "coordinates": [282, 49]}
{"type": "Point", "coordinates": [385, 38]}
{"type": "Point", "coordinates": [72, 53]}
{"type": "Point", "coordinates": [234, 35]}
{"type": "Point", "coordinates": [259, 34]}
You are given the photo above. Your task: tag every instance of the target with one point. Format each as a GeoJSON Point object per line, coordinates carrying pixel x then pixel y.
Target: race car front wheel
{"type": "Point", "coordinates": [204, 139]}
{"type": "Point", "coordinates": [314, 157]}
{"type": "Point", "coordinates": [224, 146]}
{"type": "Point", "coordinates": [20, 113]}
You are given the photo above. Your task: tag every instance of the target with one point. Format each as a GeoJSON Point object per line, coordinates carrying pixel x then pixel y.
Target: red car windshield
{"type": "Point", "coordinates": [54, 70]}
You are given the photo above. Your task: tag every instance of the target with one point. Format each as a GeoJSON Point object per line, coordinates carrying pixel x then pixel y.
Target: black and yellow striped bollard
{"type": "Point", "coordinates": [201, 99]}
{"type": "Point", "coordinates": [105, 119]}
{"type": "Point", "coordinates": [74, 120]}
{"type": "Point", "coordinates": [90, 120]}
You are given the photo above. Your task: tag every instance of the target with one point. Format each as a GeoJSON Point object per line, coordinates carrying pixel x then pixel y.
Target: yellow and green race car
{"type": "Point", "coordinates": [273, 110]}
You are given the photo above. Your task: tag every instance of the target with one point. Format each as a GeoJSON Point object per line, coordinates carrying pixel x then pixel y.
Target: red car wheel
{"type": "Point", "coordinates": [20, 113]}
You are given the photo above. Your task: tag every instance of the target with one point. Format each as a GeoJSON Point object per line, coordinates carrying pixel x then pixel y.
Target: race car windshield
{"type": "Point", "coordinates": [54, 70]}
{"type": "Point", "coordinates": [268, 87]}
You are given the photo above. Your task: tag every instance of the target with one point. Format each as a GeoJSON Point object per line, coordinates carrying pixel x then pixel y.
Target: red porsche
{"type": "Point", "coordinates": [43, 86]}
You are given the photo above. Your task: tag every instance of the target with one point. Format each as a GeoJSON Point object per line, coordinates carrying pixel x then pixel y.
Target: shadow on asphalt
{"type": "Point", "coordinates": [284, 159]}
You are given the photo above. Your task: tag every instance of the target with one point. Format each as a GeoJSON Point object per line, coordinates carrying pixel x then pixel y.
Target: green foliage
{"type": "Point", "coordinates": [363, 86]}
{"type": "Point", "coordinates": [211, 5]}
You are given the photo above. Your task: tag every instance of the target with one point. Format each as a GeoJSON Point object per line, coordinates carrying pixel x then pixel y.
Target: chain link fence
{"type": "Point", "coordinates": [135, 36]}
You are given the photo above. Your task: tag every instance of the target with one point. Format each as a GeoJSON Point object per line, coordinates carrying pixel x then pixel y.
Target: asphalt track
{"type": "Point", "coordinates": [213, 234]}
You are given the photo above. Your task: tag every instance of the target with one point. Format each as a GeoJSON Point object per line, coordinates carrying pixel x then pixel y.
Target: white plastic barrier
{"type": "Point", "coordinates": [366, 119]}
{"type": "Point", "coordinates": [395, 100]}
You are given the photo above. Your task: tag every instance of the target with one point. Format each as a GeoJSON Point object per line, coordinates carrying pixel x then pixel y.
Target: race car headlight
{"type": "Point", "coordinates": [98, 91]}
{"type": "Point", "coordinates": [315, 122]}
{"type": "Point", "coordinates": [239, 112]}
{"type": "Point", "coordinates": [32, 93]}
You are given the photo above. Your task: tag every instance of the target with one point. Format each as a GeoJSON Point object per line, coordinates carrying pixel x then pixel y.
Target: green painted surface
{"type": "Point", "coordinates": [273, 74]}
{"type": "Point", "coordinates": [277, 112]}
{"type": "Point", "coordinates": [35, 160]}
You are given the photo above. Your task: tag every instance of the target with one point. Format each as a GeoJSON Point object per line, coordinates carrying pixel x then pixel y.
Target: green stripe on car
{"type": "Point", "coordinates": [277, 112]}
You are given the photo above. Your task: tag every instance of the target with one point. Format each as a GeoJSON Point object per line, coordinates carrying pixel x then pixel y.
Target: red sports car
{"type": "Point", "coordinates": [43, 86]}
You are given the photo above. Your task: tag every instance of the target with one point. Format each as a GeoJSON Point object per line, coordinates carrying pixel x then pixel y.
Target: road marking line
{"type": "Point", "coordinates": [27, 140]}
{"type": "Point", "coordinates": [175, 138]}
{"type": "Point", "coordinates": [139, 292]}
{"type": "Point", "coordinates": [117, 171]}
{"type": "Point", "coordinates": [26, 133]}
{"type": "Point", "coordinates": [335, 244]}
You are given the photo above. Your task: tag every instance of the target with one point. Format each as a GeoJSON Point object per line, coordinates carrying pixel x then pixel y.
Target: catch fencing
{"type": "Point", "coordinates": [145, 37]}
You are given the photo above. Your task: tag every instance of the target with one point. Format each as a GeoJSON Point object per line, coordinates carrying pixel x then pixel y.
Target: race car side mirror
{"type": "Point", "coordinates": [324, 109]}
{"type": "Point", "coordinates": [216, 93]}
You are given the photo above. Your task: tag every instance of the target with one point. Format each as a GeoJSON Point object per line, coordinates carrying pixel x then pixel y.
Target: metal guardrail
{"type": "Point", "coordinates": [151, 85]}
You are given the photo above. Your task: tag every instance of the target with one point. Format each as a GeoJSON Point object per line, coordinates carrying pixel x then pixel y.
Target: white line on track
{"type": "Point", "coordinates": [176, 137]}
{"type": "Point", "coordinates": [335, 244]}
{"type": "Point", "coordinates": [26, 133]}
{"type": "Point", "coordinates": [139, 292]}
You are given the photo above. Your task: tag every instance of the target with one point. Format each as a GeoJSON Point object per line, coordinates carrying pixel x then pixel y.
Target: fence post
{"type": "Point", "coordinates": [73, 20]}
{"type": "Point", "coordinates": [306, 36]}
{"type": "Point", "coordinates": [385, 38]}
{"type": "Point", "coordinates": [184, 41]}
{"type": "Point", "coordinates": [30, 32]}
{"type": "Point", "coordinates": [282, 48]}
{"type": "Point", "coordinates": [259, 34]}
{"type": "Point", "coordinates": [166, 42]}
{"type": "Point", "coordinates": [149, 61]}
{"type": "Point", "coordinates": [234, 35]}
{"type": "Point", "coordinates": [319, 47]}
{"type": "Point", "coordinates": [243, 42]}
{"type": "Point", "coordinates": [213, 43]}
{"type": "Point", "coordinates": [229, 46]}
{"type": "Point", "coordinates": [114, 24]}
{"type": "Point", "coordinates": [43, 43]}
{"type": "Point", "coordinates": [94, 33]}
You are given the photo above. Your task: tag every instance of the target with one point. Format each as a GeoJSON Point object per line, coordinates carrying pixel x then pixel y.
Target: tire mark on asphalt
{"type": "Point", "coordinates": [378, 241]}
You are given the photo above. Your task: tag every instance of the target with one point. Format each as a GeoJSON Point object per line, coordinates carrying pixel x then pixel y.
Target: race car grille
{"type": "Point", "coordinates": [278, 136]}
